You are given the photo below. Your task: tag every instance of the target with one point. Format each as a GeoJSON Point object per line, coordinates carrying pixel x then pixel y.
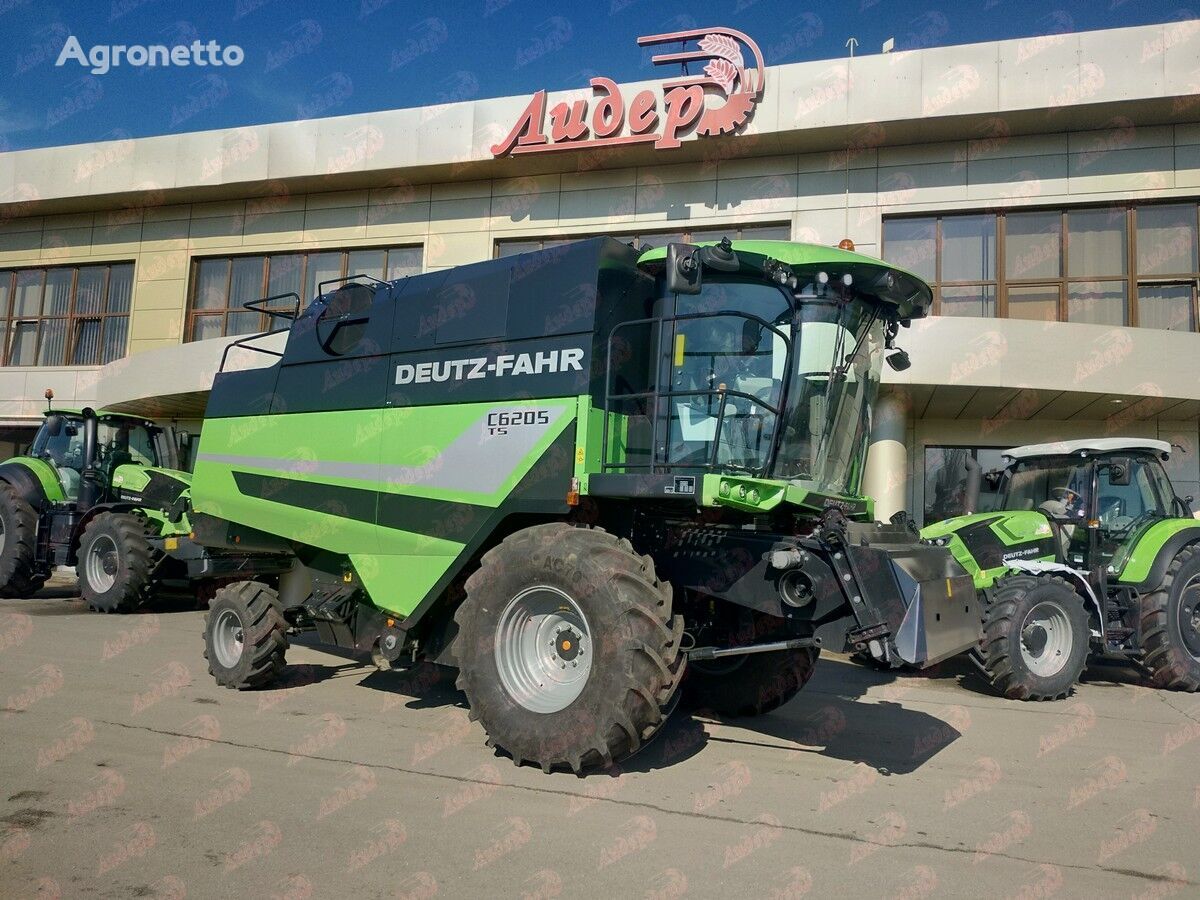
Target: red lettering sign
{"type": "Point", "coordinates": [691, 104]}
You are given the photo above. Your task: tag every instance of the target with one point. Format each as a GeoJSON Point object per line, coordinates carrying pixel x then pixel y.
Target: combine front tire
{"type": "Point", "coordinates": [245, 636]}
{"type": "Point", "coordinates": [19, 576]}
{"type": "Point", "coordinates": [1035, 637]}
{"type": "Point", "coordinates": [1171, 625]}
{"type": "Point", "coordinates": [567, 649]}
{"type": "Point", "coordinates": [116, 563]}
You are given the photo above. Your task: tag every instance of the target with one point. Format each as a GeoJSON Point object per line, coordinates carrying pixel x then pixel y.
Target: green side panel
{"type": "Point", "coordinates": [134, 477]}
{"type": "Point", "coordinates": [589, 440]}
{"type": "Point", "coordinates": [1011, 529]}
{"type": "Point", "coordinates": [1132, 563]}
{"type": "Point", "coordinates": [397, 583]}
{"type": "Point", "coordinates": [44, 472]}
{"type": "Point", "coordinates": [452, 454]}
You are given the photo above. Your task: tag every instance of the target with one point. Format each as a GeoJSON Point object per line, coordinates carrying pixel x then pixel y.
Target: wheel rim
{"type": "Point", "coordinates": [1189, 616]}
{"type": "Point", "coordinates": [227, 638]}
{"type": "Point", "coordinates": [543, 649]}
{"type": "Point", "coordinates": [101, 564]}
{"type": "Point", "coordinates": [1046, 639]}
{"type": "Point", "coordinates": [3, 536]}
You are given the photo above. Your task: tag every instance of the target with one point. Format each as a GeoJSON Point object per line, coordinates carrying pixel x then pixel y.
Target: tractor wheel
{"type": "Point", "coordinates": [115, 563]}
{"type": "Point", "coordinates": [245, 636]}
{"type": "Point", "coordinates": [1035, 637]}
{"type": "Point", "coordinates": [19, 575]}
{"type": "Point", "coordinates": [1171, 625]}
{"type": "Point", "coordinates": [748, 685]}
{"type": "Point", "coordinates": [567, 649]}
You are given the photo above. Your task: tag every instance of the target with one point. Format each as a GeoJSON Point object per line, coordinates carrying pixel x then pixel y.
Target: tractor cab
{"type": "Point", "coordinates": [1098, 496]}
{"type": "Point", "coordinates": [62, 443]}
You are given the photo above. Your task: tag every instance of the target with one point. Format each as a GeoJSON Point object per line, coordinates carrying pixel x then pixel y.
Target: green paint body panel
{"type": "Point", "coordinates": [398, 568]}
{"type": "Point", "coordinates": [134, 477]}
{"type": "Point", "coordinates": [44, 473]}
{"type": "Point", "coordinates": [1011, 531]}
{"type": "Point", "coordinates": [1133, 565]}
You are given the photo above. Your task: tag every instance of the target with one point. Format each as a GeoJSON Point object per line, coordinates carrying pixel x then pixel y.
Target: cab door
{"type": "Point", "coordinates": [1125, 501]}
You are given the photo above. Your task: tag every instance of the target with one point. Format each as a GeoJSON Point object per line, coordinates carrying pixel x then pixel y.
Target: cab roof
{"type": "Point", "coordinates": [1090, 446]}
{"type": "Point", "coordinates": [100, 413]}
{"type": "Point", "coordinates": [907, 291]}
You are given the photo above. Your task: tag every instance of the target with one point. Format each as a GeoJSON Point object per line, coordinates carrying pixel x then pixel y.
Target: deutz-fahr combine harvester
{"type": "Point", "coordinates": [92, 491]}
{"type": "Point", "coordinates": [1089, 552]}
{"type": "Point", "coordinates": [587, 480]}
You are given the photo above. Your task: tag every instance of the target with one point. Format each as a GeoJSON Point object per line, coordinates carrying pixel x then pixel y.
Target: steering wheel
{"type": "Point", "coordinates": [1064, 495]}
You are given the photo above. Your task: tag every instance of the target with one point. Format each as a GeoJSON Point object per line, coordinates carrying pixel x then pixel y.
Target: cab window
{"type": "Point", "coordinates": [120, 443]}
{"type": "Point", "coordinates": [1118, 506]}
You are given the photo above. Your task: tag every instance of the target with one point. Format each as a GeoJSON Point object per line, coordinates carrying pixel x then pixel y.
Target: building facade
{"type": "Point", "coordinates": [1048, 188]}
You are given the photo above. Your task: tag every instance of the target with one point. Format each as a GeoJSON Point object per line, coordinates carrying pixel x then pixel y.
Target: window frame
{"type": "Point", "coordinates": [224, 312]}
{"type": "Point", "coordinates": [71, 318]}
{"type": "Point", "coordinates": [1131, 279]}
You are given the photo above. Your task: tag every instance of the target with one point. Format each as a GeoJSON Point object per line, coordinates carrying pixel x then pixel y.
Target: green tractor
{"type": "Point", "coordinates": [92, 491]}
{"type": "Point", "coordinates": [591, 479]}
{"type": "Point", "coordinates": [1089, 554]}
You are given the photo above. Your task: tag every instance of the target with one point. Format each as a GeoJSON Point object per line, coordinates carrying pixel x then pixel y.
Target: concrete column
{"type": "Point", "coordinates": [886, 475]}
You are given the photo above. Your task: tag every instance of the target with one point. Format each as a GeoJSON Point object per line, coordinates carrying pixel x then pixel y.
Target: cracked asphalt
{"type": "Point", "coordinates": [125, 771]}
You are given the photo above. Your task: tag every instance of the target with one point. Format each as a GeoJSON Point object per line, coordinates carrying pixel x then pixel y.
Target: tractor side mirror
{"type": "Point", "coordinates": [752, 334]}
{"type": "Point", "coordinates": [992, 478]}
{"type": "Point", "coordinates": [683, 269]}
{"type": "Point", "coordinates": [1120, 473]}
{"type": "Point", "coordinates": [54, 425]}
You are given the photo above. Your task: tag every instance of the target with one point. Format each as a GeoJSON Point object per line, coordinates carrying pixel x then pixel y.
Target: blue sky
{"type": "Point", "coordinates": [308, 59]}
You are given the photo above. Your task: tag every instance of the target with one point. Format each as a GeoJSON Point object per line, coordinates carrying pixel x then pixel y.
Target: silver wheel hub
{"type": "Point", "coordinates": [1189, 617]}
{"type": "Point", "coordinates": [1046, 639]}
{"type": "Point", "coordinates": [100, 567]}
{"type": "Point", "coordinates": [543, 649]}
{"type": "Point", "coordinates": [228, 636]}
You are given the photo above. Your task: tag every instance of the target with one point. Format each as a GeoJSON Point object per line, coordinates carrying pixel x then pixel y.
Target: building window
{"type": "Point", "coordinates": [65, 316]}
{"type": "Point", "coordinates": [946, 479]}
{"type": "Point", "coordinates": [646, 239]}
{"type": "Point", "coordinates": [1132, 264]}
{"type": "Point", "coordinates": [220, 285]}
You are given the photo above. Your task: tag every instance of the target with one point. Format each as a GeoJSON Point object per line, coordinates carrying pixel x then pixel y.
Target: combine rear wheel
{"type": "Point", "coordinates": [245, 636]}
{"type": "Point", "coordinates": [1035, 637]}
{"type": "Point", "coordinates": [19, 575]}
{"type": "Point", "coordinates": [115, 563]}
{"type": "Point", "coordinates": [567, 649]}
{"type": "Point", "coordinates": [1171, 625]}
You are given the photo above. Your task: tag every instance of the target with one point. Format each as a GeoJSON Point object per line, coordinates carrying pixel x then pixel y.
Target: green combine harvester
{"type": "Point", "coordinates": [1090, 555]}
{"type": "Point", "coordinates": [91, 493]}
{"type": "Point", "coordinates": [592, 480]}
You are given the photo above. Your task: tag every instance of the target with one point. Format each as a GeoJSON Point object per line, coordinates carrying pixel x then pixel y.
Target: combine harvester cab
{"type": "Point", "coordinates": [586, 477]}
{"type": "Point", "coordinates": [1089, 555]}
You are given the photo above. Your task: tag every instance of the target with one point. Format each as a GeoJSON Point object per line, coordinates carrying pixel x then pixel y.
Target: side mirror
{"type": "Point", "coordinates": [683, 269]}
{"type": "Point", "coordinates": [992, 478]}
{"type": "Point", "coordinates": [752, 334]}
{"type": "Point", "coordinates": [54, 425]}
{"type": "Point", "coordinates": [1120, 473]}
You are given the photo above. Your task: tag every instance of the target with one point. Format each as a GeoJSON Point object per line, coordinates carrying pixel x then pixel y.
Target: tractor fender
{"type": "Point", "coordinates": [26, 482]}
{"type": "Point", "coordinates": [1182, 533]}
{"type": "Point", "coordinates": [1076, 577]}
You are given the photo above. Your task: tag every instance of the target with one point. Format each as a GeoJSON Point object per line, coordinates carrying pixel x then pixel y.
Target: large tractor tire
{"type": "Point", "coordinates": [115, 563]}
{"type": "Point", "coordinates": [567, 649]}
{"type": "Point", "coordinates": [749, 685]}
{"type": "Point", "coordinates": [1171, 625]}
{"type": "Point", "coordinates": [245, 636]}
{"type": "Point", "coordinates": [19, 574]}
{"type": "Point", "coordinates": [1036, 637]}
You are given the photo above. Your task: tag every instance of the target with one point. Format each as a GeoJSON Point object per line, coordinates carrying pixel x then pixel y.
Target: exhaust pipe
{"type": "Point", "coordinates": [90, 488]}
